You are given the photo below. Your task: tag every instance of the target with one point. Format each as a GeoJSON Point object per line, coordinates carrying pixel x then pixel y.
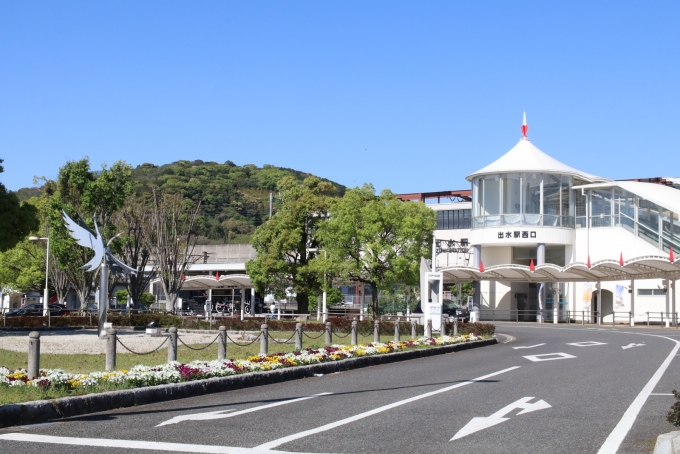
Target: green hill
{"type": "Point", "coordinates": [234, 199]}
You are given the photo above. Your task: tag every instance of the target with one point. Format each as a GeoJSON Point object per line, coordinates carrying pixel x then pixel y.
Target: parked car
{"type": "Point", "coordinates": [450, 308]}
{"type": "Point", "coordinates": [56, 310]}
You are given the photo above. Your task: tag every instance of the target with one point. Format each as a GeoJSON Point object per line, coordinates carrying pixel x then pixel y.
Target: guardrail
{"type": "Point", "coordinates": [665, 319]}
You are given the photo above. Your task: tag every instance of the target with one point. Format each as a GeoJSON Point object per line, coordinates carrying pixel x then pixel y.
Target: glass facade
{"type": "Point", "coordinates": [454, 219]}
{"type": "Point", "coordinates": [523, 199]}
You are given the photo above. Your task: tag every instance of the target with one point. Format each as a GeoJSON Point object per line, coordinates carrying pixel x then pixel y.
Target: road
{"type": "Point", "coordinates": [549, 389]}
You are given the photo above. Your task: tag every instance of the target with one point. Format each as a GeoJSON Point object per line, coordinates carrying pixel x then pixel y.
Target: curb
{"type": "Point", "coordinates": [66, 407]}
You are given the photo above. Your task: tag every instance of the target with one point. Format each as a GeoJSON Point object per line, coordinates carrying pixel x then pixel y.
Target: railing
{"type": "Point", "coordinates": [516, 220]}
{"type": "Point", "coordinates": [530, 315]}
{"type": "Point", "coordinates": [670, 318]}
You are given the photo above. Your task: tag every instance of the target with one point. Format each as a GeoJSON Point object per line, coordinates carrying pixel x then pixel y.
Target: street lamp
{"type": "Point", "coordinates": [46, 307]}
{"type": "Point", "coordinates": [324, 314]}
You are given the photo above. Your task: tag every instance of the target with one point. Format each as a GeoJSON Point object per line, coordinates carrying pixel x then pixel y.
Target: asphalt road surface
{"type": "Point", "coordinates": [544, 388]}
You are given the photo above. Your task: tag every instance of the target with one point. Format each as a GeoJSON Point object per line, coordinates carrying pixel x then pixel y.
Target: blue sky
{"type": "Point", "coordinates": [411, 96]}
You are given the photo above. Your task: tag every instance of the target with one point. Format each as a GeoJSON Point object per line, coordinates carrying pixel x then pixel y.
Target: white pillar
{"type": "Point", "coordinates": [325, 309]}
{"type": "Point", "coordinates": [556, 302]}
{"type": "Point", "coordinates": [279, 314]}
{"type": "Point", "coordinates": [540, 260]}
{"type": "Point", "coordinates": [668, 301]}
{"type": "Point", "coordinates": [632, 302]}
{"type": "Point", "coordinates": [673, 302]}
{"type": "Point", "coordinates": [243, 302]}
{"type": "Point", "coordinates": [599, 302]}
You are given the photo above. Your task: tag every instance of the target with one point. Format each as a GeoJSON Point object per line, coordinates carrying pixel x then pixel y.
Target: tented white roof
{"type": "Point", "coordinates": [526, 157]}
{"type": "Point", "coordinates": [665, 196]}
{"type": "Point", "coordinates": [647, 267]}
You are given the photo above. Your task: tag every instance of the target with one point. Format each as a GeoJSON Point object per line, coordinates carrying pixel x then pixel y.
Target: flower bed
{"type": "Point", "coordinates": [176, 372]}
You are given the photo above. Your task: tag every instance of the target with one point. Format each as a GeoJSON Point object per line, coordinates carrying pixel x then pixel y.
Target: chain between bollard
{"type": "Point", "coordinates": [335, 334]}
{"type": "Point", "coordinates": [200, 348]}
{"type": "Point", "coordinates": [246, 344]}
{"type": "Point", "coordinates": [282, 342]}
{"type": "Point", "coordinates": [141, 354]}
{"type": "Point", "coordinates": [317, 337]}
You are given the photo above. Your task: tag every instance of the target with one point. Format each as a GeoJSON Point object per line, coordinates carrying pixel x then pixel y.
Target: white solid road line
{"type": "Point", "coordinates": [661, 394]}
{"type": "Point", "coordinates": [220, 414]}
{"type": "Point", "coordinates": [616, 437]}
{"type": "Point", "coordinates": [528, 346]}
{"type": "Point", "coordinates": [132, 444]}
{"type": "Point", "coordinates": [306, 433]}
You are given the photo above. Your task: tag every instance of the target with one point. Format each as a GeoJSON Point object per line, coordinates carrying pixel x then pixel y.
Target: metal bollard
{"type": "Point", "coordinates": [354, 332]}
{"type": "Point", "coordinates": [298, 336]}
{"type": "Point", "coordinates": [397, 334]}
{"type": "Point", "coordinates": [428, 328]}
{"type": "Point", "coordinates": [33, 355]}
{"type": "Point", "coordinates": [442, 329]}
{"type": "Point", "coordinates": [455, 326]}
{"type": "Point", "coordinates": [329, 334]}
{"type": "Point", "coordinates": [172, 346]}
{"type": "Point", "coordinates": [110, 349]}
{"type": "Point", "coordinates": [414, 329]}
{"type": "Point", "coordinates": [264, 339]}
{"type": "Point", "coordinates": [222, 343]}
{"type": "Point", "coordinates": [376, 331]}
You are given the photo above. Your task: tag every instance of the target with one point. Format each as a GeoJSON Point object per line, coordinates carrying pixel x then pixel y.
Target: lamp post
{"type": "Point", "coordinates": [324, 314]}
{"type": "Point", "coordinates": [46, 307]}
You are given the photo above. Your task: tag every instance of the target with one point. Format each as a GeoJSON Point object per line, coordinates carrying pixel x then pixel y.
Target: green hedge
{"type": "Point", "coordinates": [340, 325]}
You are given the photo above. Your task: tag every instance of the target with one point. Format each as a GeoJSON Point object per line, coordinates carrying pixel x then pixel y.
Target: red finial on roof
{"type": "Point", "coordinates": [525, 127]}
{"type": "Point", "coordinates": [588, 264]}
{"type": "Point", "coordinates": [621, 259]}
{"type": "Point", "coordinates": [671, 257]}
{"type": "Point", "coordinates": [217, 275]}
{"type": "Point", "coordinates": [532, 267]}
{"type": "Point", "coordinates": [481, 266]}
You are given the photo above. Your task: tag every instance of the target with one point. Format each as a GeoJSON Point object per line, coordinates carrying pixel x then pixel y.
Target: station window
{"type": "Point", "coordinates": [651, 292]}
{"type": "Point", "coordinates": [454, 219]}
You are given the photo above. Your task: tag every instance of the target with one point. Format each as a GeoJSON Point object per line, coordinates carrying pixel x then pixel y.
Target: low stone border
{"type": "Point", "coordinates": [66, 407]}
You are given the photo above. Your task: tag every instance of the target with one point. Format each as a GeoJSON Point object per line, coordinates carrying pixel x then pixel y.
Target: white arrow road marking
{"type": "Point", "coordinates": [587, 344]}
{"type": "Point", "coordinates": [476, 424]}
{"type": "Point", "coordinates": [375, 411]}
{"type": "Point", "coordinates": [221, 413]}
{"type": "Point", "coordinates": [631, 345]}
{"type": "Point", "coordinates": [528, 346]}
{"type": "Point", "coordinates": [538, 358]}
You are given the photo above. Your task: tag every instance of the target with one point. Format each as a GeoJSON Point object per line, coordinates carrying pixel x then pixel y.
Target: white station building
{"type": "Point", "coordinates": [543, 241]}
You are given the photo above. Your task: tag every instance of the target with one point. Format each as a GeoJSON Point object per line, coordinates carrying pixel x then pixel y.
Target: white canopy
{"type": "Point", "coordinates": [648, 267]}
{"type": "Point", "coordinates": [204, 282]}
{"type": "Point", "coordinates": [526, 157]}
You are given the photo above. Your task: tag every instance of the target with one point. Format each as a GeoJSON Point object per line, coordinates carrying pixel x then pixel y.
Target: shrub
{"type": "Point", "coordinates": [673, 416]}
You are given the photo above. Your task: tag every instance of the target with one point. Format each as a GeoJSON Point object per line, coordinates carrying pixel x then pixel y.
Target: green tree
{"type": "Point", "coordinates": [80, 191]}
{"type": "Point", "coordinates": [377, 239]}
{"type": "Point", "coordinates": [283, 258]}
{"type": "Point", "coordinates": [17, 219]}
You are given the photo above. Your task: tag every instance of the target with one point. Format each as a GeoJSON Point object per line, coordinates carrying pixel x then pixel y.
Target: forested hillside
{"type": "Point", "coordinates": [234, 199]}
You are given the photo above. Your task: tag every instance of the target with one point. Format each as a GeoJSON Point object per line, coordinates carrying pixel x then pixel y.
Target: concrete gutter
{"type": "Point", "coordinates": [66, 407]}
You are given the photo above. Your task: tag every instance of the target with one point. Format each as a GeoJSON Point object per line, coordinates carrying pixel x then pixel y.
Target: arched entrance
{"type": "Point", "coordinates": [607, 306]}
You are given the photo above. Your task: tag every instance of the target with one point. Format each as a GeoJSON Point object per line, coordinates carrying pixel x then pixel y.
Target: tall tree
{"type": "Point", "coordinates": [134, 222]}
{"type": "Point", "coordinates": [172, 241]}
{"type": "Point", "coordinates": [377, 239]}
{"type": "Point", "coordinates": [17, 220]}
{"type": "Point", "coordinates": [283, 258]}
